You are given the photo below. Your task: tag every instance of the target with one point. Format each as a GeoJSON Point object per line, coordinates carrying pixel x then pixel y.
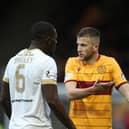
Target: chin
{"type": "Point", "coordinates": [81, 58]}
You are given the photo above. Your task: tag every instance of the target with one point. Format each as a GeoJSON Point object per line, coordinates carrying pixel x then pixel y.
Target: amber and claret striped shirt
{"type": "Point", "coordinates": [95, 111]}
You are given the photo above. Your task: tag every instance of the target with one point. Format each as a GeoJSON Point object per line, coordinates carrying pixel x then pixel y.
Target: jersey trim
{"type": "Point", "coordinates": [49, 82]}
{"type": "Point", "coordinates": [121, 85]}
{"type": "Point", "coordinates": [70, 81]}
{"type": "Point", "coordinates": [6, 80]}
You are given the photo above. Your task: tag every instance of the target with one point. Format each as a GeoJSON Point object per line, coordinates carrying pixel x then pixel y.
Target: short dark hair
{"type": "Point", "coordinates": [88, 31]}
{"type": "Point", "coordinates": [42, 30]}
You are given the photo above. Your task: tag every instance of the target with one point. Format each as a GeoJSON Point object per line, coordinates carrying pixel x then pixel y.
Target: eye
{"type": "Point", "coordinates": [83, 45]}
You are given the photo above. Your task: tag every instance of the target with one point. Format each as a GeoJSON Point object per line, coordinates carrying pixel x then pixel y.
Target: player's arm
{"type": "Point", "coordinates": [51, 94]}
{"type": "Point", "coordinates": [124, 90]}
{"type": "Point", "coordinates": [5, 99]}
{"type": "Point", "coordinates": [120, 80]}
{"type": "Point", "coordinates": [76, 93]}
{"type": "Point", "coordinates": [71, 86]}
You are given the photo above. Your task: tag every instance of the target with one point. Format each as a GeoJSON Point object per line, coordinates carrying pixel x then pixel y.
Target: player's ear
{"type": "Point", "coordinates": [48, 41]}
{"type": "Point", "coordinates": [96, 46]}
{"type": "Point", "coordinates": [52, 42]}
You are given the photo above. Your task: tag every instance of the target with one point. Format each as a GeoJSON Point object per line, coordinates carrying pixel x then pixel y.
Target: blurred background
{"type": "Point", "coordinates": [68, 16]}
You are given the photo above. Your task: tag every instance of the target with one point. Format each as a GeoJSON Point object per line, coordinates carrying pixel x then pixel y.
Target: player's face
{"type": "Point", "coordinates": [53, 43]}
{"type": "Point", "coordinates": [85, 48]}
{"type": "Point", "coordinates": [54, 40]}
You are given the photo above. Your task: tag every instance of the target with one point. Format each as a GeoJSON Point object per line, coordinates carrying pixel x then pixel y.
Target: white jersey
{"type": "Point", "coordinates": [25, 73]}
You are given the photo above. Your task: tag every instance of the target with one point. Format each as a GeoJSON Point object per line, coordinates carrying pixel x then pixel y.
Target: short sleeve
{"type": "Point", "coordinates": [6, 76]}
{"type": "Point", "coordinates": [50, 72]}
{"type": "Point", "coordinates": [117, 74]}
{"type": "Point", "coordinates": [70, 72]}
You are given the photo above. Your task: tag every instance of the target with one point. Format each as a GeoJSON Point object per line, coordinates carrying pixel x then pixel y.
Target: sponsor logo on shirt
{"type": "Point", "coordinates": [50, 75]}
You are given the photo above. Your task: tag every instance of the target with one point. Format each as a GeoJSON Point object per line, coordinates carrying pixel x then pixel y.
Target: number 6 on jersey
{"type": "Point", "coordinates": [20, 79]}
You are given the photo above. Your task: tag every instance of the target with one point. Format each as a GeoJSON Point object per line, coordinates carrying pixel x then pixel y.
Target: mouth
{"type": "Point", "coordinates": [80, 54]}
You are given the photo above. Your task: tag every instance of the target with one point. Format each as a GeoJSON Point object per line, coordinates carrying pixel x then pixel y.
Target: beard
{"type": "Point", "coordinates": [87, 57]}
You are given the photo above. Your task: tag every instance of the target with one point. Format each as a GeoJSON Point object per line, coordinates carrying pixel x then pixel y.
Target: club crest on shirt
{"type": "Point", "coordinates": [101, 69]}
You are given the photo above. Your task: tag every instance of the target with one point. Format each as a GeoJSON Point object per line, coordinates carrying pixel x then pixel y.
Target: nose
{"type": "Point", "coordinates": [78, 48]}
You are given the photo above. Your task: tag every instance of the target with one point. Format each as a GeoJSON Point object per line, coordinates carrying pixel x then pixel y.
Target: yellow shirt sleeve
{"type": "Point", "coordinates": [70, 70]}
{"type": "Point", "coordinates": [117, 74]}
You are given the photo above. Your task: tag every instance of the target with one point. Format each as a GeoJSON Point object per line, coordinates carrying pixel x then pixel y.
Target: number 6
{"type": "Point", "coordinates": [20, 77]}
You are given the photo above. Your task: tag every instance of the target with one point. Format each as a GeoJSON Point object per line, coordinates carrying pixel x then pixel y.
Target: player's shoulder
{"type": "Point", "coordinates": [22, 51]}
{"type": "Point", "coordinates": [73, 60]}
{"type": "Point", "coordinates": [17, 54]}
{"type": "Point", "coordinates": [46, 59]}
{"type": "Point", "coordinates": [10, 61]}
{"type": "Point", "coordinates": [50, 59]}
{"type": "Point", "coordinates": [76, 58]}
{"type": "Point", "coordinates": [106, 58]}
{"type": "Point", "coordinates": [41, 56]}
{"type": "Point", "coordinates": [49, 62]}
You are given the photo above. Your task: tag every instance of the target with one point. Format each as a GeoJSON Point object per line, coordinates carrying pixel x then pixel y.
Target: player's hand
{"type": "Point", "coordinates": [102, 86]}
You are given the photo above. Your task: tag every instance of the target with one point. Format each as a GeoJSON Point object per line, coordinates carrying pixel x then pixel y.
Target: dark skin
{"type": "Point", "coordinates": [50, 91]}
{"type": "Point", "coordinates": [56, 105]}
{"type": "Point", "coordinates": [5, 99]}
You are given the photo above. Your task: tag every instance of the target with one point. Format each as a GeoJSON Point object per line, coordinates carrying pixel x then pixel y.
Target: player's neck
{"type": "Point", "coordinates": [35, 44]}
{"type": "Point", "coordinates": [42, 47]}
{"type": "Point", "coordinates": [93, 59]}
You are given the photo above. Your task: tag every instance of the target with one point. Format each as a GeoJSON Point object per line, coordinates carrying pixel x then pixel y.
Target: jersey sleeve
{"type": "Point", "coordinates": [6, 76]}
{"type": "Point", "coordinates": [50, 72]}
{"type": "Point", "coordinates": [117, 74]}
{"type": "Point", "coordinates": [70, 71]}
